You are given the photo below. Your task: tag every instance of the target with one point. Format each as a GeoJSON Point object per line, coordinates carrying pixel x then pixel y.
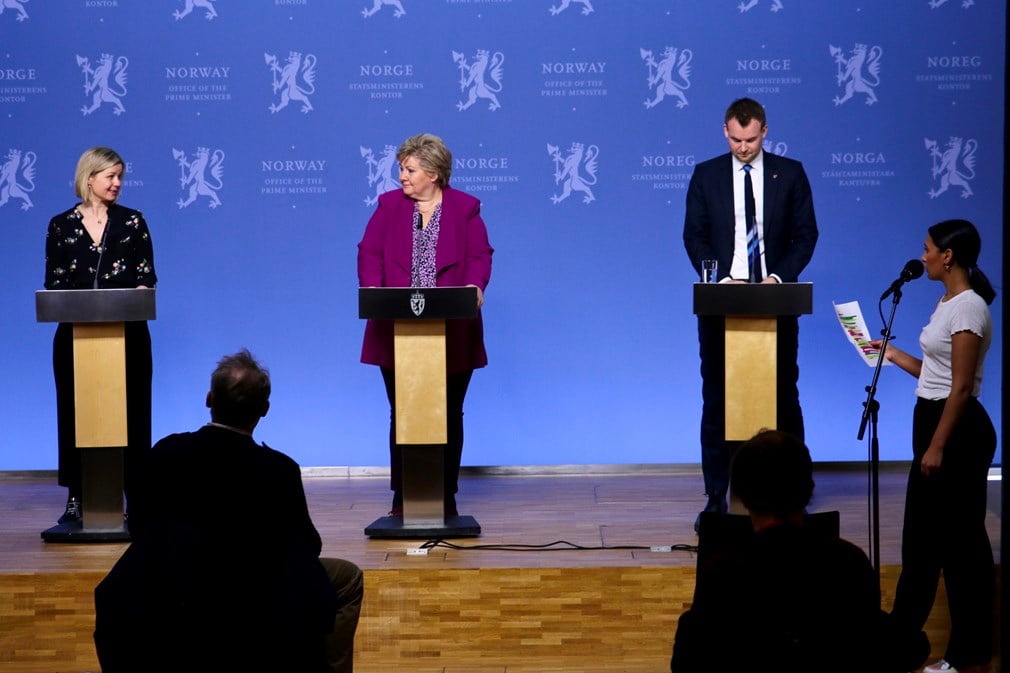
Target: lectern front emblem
{"type": "Point", "coordinates": [417, 303]}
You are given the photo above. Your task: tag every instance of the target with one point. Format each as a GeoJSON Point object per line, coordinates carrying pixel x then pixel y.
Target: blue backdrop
{"type": "Point", "coordinates": [258, 134]}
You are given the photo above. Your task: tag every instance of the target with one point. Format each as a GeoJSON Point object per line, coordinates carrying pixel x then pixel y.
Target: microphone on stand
{"type": "Point", "coordinates": [101, 251]}
{"type": "Point", "coordinates": [913, 269]}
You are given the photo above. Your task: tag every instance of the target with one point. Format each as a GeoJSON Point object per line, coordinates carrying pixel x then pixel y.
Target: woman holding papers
{"type": "Point", "coordinates": [953, 442]}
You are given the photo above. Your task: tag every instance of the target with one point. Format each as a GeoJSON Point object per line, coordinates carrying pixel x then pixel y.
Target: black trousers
{"type": "Point", "coordinates": [716, 452]}
{"type": "Point", "coordinates": [138, 405]}
{"type": "Point", "coordinates": [145, 621]}
{"type": "Point", "coordinates": [944, 530]}
{"type": "Point", "coordinates": [455, 392]}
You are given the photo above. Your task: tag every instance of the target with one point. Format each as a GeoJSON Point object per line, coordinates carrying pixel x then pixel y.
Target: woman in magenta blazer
{"type": "Point", "coordinates": [427, 234]}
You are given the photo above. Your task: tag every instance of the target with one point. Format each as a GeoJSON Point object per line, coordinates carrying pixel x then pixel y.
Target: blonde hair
{"type": "Point", "coordinates": [431, 153]}
{"type": "Point", "coordinates": [92, 162]}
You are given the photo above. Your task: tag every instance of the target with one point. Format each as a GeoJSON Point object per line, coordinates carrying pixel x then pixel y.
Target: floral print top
{"type": "Point", "coordinates": [74, 260]}
{"type": "Point", "coordinates": [422, 263]}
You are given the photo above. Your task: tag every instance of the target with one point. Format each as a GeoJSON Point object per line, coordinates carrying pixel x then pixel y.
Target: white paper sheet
{"type": "Point", "coordinates": [850, 317]}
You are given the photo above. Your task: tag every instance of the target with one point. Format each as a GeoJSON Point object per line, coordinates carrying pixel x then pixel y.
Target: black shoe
{"type": "Point", "coordinates": [713, 505]}
{"type": "Point", "coordinates": [72, 513]}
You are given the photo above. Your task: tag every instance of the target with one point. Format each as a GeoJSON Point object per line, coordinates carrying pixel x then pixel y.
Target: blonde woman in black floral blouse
{"type": "Point", "coordinates": [100, 244]}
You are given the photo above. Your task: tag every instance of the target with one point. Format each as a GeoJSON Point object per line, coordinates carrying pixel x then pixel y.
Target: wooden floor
{"type": "Point", "coordinates": [611, 605]}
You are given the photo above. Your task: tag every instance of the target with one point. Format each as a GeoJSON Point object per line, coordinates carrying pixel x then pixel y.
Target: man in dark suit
{"type": "Point", "coordinates": [764, 232]}
{"type": "Point", "coordinates": [209, 586]}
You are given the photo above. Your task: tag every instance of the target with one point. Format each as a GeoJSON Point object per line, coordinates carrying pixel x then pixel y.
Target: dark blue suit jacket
{"type": "Point", "coordinates": [790, 228]}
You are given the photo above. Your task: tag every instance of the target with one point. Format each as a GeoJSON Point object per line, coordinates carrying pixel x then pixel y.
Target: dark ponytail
{"type": "Point", "coordinates": [980, 283]}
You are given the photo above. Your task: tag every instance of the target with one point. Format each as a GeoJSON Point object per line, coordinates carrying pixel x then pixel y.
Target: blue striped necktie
{"type": "Point", "coordinates": [750, 214]}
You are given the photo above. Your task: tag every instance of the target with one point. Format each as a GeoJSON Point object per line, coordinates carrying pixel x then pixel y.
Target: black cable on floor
{"type": "Point", "coordinates": [557, 545]}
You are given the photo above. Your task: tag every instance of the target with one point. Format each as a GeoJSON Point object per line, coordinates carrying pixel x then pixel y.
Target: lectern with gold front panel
{"type": "Point", "coordinates": [751, 312]}
{"type": "Point", "coordinates": [419, 368]}
{"type": "Point", "coordinates": [98, 318]}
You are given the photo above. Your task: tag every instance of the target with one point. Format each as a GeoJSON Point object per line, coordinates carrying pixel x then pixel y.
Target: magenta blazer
{"type": "Point", "coordinates": [462, 257]}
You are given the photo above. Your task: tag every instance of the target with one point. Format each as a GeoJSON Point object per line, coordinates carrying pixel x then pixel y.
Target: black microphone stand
{"type": "Point", "coordinates": [870, 411]}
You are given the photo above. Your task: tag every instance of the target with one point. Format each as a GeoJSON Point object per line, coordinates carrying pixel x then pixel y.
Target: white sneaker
{"type": "Point", "coordinates": [944, 665]}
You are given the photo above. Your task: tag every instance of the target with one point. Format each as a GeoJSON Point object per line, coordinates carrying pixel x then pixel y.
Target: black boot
{"type": "Point", "coordinates": [72, 512]}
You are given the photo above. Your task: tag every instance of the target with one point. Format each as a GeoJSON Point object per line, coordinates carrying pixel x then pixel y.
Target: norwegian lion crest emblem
{"type": "Point", "coordinates": [397, 6]}
{"type": "Point", "coordinates": [294, 81]}
{"type": "Point", "coordinates": [751, 4]}
{"type": "Point", "coordinates": [17, 167]}
{"type": "Point", "coordinates": [858, 73]}
{"type": "Point", "coordinates": [567, 171]}
{"type": "Point", "coordinates": [190, 5]}
{"type": "Point", "coordinates": [587, 7]}
{"type": "Point", "coordinates": [954, 165]}
{"type": "Point", "coordinates": [780, 148]}
{"type": "Point", "coordinates": [473, 78]}
{"type": "Point", "coordinates": [105, 83]}
{"type": "Point", "coordinates": [671, 76]}
{"type": "Point", "coordinates": [965, 4]}
{"type": "Point", "coordinates": [17, 6]}
{"type": "Point", "coordinates": [382, 172]}
{"type": "Point", "coordinates": [417, 303]}
{"type": "Point", "coordinates": [194, 175]}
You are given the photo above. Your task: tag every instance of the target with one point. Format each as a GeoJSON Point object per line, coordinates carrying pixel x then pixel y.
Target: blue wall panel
{"type": "Point", "coordinates": [592, 343]}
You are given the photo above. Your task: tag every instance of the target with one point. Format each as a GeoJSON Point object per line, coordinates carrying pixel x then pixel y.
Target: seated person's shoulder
{"type": "Point", "coordinates": [173, 445]}
{"type": "Point", "coordinates": [278, 459]}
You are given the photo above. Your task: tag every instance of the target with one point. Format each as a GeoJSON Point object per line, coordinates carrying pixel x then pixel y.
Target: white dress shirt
{"type": "Point", "coordinates": [740, 268]}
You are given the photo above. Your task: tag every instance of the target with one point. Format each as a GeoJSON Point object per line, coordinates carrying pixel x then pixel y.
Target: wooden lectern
{"type": "Point", "coordinates": [98, 317]}
{"type": "Point", "coordinates": [751, 312]}
{"type": "Point", "coordinates": [419, 368]}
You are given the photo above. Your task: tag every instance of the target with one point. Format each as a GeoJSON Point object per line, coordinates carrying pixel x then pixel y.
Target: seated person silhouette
{"type": "Point", "coordinates": [788, 595]}
{"type": "Point", "coordinates": [208, 585]}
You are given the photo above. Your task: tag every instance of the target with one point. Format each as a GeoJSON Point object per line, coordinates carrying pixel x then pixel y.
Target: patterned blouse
{"type": "Point", "coordinates": [422, 259]}
{"type": "Point", "coordinates": [74, 261]}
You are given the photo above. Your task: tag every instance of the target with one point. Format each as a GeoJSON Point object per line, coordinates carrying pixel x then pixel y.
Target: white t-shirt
{"type": "Point", "coordinates": [965, 312]}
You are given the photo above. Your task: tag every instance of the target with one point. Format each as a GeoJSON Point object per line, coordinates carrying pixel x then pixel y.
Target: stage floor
{"type": "Point", "coordinates": [591, 511]}
{"type": "Point", "coordinates": [597, 608]}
